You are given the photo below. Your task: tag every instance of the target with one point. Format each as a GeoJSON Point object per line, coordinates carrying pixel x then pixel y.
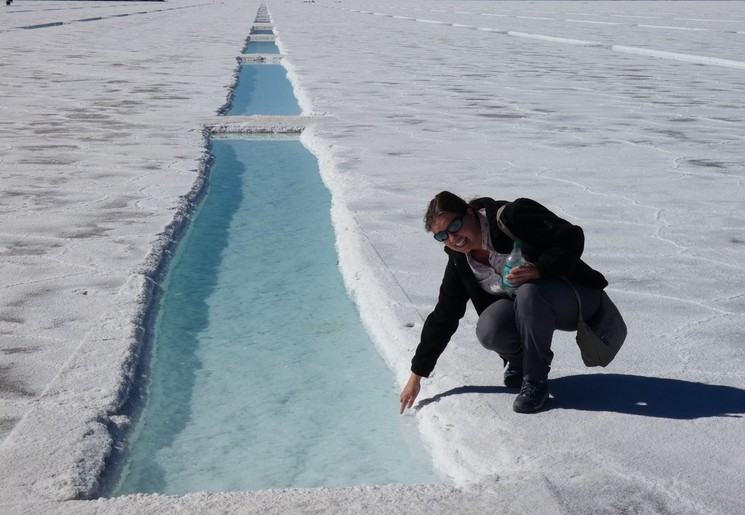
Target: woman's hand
{"type": "Point", "coordinates": [410, 392]}
{"type": "Point", "coordinates": [523, 274]}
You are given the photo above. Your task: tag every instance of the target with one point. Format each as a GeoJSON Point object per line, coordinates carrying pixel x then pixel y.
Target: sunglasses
{"type": "Point", "coordinates": [455, 226]}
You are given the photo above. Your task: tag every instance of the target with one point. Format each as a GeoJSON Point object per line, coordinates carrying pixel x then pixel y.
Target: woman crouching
{"type": "Point", "coordinates": [519, 328]}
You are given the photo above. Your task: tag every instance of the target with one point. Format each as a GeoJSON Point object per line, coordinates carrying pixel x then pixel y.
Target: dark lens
{"type": "Point", "coordinates": [456, 226]}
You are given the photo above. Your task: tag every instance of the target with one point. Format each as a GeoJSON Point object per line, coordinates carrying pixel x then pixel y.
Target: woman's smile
{"type": "Point", "coordinates": [457, 241]}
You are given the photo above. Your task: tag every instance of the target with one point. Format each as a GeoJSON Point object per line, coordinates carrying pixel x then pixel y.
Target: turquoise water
{"type": "Point", "coordinates": [262, 374]}
{"type": "Point", "coordinates": [263, 89]}
{"type": "Point", "coordinates": [261, 47]}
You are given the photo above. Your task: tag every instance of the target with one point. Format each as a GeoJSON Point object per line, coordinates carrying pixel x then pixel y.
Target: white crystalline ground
{"type": "Point", "coordinates": [625, 117]}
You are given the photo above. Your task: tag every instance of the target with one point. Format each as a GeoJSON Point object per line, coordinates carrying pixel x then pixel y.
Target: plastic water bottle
{"type": "Point", "coordinates": [515, 259]}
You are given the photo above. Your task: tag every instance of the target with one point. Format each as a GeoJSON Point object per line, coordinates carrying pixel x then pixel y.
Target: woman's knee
{"type": "Point", "coordinates": [496, 328]}
{"type": "Point", "coordinates": [486, 333]}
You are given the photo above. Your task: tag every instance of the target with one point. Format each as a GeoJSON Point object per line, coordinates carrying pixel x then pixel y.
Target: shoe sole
{"type": "Point", "coordinates": [528, 409]}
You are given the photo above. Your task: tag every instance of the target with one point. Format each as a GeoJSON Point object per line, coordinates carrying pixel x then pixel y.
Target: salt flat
{"type": "Point", "coordinates": [625, 117]}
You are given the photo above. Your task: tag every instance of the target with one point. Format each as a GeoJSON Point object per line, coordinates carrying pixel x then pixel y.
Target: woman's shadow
{"type": "Point", "coordinates": [635, 395]}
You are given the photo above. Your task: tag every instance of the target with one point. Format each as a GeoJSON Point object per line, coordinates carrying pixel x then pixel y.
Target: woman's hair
{"type": "Point", "coordinates": [444, 202]}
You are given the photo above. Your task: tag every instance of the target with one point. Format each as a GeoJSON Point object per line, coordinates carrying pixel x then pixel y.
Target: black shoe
{"type": "Point", "coordinates": [532, 396]}
{"type": "Point", "coordinates": [513, 376]}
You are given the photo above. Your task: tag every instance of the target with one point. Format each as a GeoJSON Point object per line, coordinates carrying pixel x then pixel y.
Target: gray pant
{"type": "Point", "coordinates": [521, 330]}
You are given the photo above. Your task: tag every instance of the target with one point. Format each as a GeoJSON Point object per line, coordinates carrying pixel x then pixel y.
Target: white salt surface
{"type": "Point", "coordinates": [625, 117]}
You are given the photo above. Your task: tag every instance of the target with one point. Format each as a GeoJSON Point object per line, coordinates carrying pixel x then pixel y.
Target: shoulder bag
{"type": "Point", "coordinates": [600, 338]}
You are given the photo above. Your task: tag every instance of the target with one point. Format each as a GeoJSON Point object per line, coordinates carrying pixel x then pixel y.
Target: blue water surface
{"type": "Point", "coordinates": [262, 374]}
{"type": "Point", "coordinates": [263, 89]}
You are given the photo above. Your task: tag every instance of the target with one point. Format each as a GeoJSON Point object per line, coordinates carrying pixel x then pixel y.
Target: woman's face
{"type": "Point", "coordinates": [467, 238]}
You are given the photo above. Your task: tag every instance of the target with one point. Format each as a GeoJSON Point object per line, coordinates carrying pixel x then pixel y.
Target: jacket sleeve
{"type": "Point", "coordinates": [559, 243]}
{"type": "Point", "coordinates": [442, 323]}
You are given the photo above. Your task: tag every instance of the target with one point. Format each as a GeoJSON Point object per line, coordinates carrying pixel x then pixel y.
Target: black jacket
{"type": "Point", "coordinates": [551, 243]}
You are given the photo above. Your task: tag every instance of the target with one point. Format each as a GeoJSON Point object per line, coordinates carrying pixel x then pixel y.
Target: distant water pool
{"type": "Point", "coordinates": [262, 375]}
{"type": "Point", "coordinates": [263, 89]}
{"type": "Point", "coordinates": [261, 47]}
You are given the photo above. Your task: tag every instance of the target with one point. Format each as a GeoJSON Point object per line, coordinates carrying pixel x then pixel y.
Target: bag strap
{"type": "Point", "coordinates": [502, 226]}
